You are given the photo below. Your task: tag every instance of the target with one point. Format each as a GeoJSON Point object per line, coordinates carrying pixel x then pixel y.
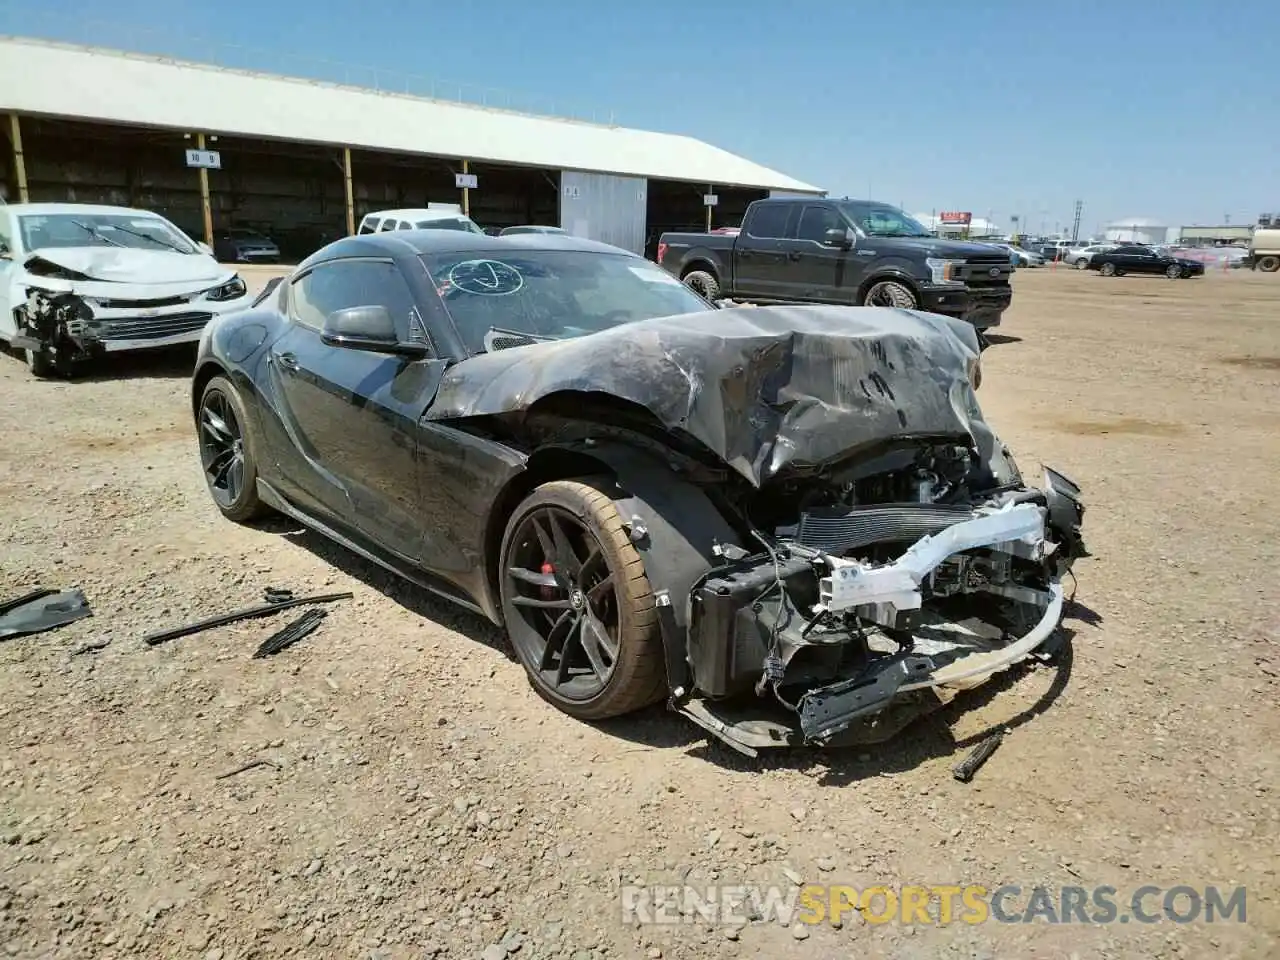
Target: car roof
{"type": "Point", "coordinates": [400, 243]}
{"type": "Point", "coordinates": [418, 214]}
{"type": "Point", "coordinates": [49, 209]}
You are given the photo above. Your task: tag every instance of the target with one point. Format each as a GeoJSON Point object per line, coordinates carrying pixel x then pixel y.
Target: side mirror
{"type": "Point", "coordinates": [836, 237]}
{"type": "Point", "coordinates": [367, 328]}
{"type": "Point", "coordinates": [204, 248]}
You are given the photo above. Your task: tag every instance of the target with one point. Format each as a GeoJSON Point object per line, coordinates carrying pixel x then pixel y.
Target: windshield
{"type": "Point", "coordinates": [555, 294]}
{"type": "Point", "coordinates": [882, 220]}
{"type": "Point", "coordinates": [137, 231]}
{"type": "Point", "coordinates": [451, 223]}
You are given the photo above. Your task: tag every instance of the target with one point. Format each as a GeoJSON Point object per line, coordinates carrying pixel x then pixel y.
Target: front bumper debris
{"type": "Point", "coordinates": [844, 650]}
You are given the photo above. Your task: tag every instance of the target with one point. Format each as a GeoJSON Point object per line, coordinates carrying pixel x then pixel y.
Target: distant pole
{"type": "Point", "coordinates": [1075, 225]}
{"type": "Point", "coordinates": [349, 191]}
{"type": "Point", "coordinates": [205, 205]}
{"type": "Point", "coordinates": [710, 190]}
{"type": "Point", "coordinates": [466, 192]}
{"type": "Point", "coordinates": [19, 160]}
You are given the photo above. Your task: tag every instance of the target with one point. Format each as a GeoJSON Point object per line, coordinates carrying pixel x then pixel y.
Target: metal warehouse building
{"type": "Point", "coordinates": [304, 160]}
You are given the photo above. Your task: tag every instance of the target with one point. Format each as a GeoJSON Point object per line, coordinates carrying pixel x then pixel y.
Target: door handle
{"type": "Point", "coordinates": [287, 361]}
{"type": "Point", "coordinates": [793, 255]}
{"type": "Point", "coordinates": [744, 254]}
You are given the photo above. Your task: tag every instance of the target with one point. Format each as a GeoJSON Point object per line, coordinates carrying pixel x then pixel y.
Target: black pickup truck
{"type": "Point", "coordinates": [852, 252]}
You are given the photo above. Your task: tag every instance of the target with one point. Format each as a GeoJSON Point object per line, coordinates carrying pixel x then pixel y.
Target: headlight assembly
{"type": "Point", "coordinates": [228, 291]}
{"type": "Point", "coordinates": [945, 271]}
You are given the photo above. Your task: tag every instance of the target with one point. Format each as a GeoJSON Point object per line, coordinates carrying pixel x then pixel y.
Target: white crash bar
{"type": "Point", "coordinates": [853, 584]}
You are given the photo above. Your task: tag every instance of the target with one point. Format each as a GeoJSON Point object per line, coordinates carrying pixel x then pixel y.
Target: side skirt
{"type": "Point", "coordinates": [400, 568]}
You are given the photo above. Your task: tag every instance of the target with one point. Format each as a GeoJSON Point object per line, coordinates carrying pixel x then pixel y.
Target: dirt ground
{"type": "Point", "coordinates": [427, 803]}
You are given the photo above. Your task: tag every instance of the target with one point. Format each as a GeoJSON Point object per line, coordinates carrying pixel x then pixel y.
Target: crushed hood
{"type": "Point", "coordinates": [761, 387]}
{"type": "Point", "coordinates": [126, 265]}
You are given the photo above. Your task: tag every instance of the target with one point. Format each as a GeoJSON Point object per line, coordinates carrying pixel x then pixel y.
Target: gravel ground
{"type": "Point", "coordinates": [424, 802]}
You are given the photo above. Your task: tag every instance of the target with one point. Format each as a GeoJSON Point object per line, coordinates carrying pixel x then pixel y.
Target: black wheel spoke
{"type": "Point", "coordinates": [566, 560]}
{"type": "Point", "coordinates": [600, 589]}
{"type": "Point", "coordinates": [556, 637]}
{"type": "Point", "coordinates": [599, 647]}
{"type": "Point", "coordinates": [533, 577]}
{"type": "Point", "coordinates": [571, 640]}
{"type": "Point", "coordinates": [561, 604]}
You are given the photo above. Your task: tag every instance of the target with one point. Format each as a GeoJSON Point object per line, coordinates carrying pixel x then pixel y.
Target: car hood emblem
{"type": "Point", "coordinates": [994, 271]}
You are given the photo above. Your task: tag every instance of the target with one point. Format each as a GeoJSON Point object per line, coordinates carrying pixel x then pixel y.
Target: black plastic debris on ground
{"type": "Point", "coordinates": [289, 635]}
{"type": "Point", "coordinates": [285, 601]}
{"type": "Point", "coordinates": [42, 610]}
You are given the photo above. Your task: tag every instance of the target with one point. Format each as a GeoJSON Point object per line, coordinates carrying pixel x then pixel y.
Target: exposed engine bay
{"type": "Point", "coordinates": [891, 588]}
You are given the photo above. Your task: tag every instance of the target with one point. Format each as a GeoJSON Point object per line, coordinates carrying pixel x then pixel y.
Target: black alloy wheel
{"type": "Point", "coordinates": [226, 451]}
{"type": "Point", "coordinates": [559, 579]}
{"type": "Point", "coordinates": [577, 604]}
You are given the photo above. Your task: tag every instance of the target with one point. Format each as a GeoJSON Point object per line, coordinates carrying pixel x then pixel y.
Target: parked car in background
{"type": "Point", "coordinates": [512, 231]}
{"type": "Point", "coordinates": [851, 252]}
{"type": "Point", "coordinates": [80, 280]}
{"type": "Point", "coordinates": [244, 245]}
{"type": "Point", "coordinates": [1079, 257]}
{"type": "Point", "coordinates": [1140, 259]}
{"type": "Point", "coordinates": [418, 219]}
{"type": "Point", "coordinates": [1020, 257]}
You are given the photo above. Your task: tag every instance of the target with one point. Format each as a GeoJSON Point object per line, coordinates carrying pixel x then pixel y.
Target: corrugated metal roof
{"type": "Point", "coordinates": [65, 80]}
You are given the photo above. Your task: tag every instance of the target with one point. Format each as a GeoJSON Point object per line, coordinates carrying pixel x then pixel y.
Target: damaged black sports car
{"type": "Point", "coordinates": [793, 522]}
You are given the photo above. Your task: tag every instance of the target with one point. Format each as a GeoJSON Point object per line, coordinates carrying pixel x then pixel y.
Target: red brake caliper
{"type": "Point", "coordinates": [548, 593]}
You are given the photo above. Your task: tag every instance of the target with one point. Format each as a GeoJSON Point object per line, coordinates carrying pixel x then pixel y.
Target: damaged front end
{"type": "Point", "coordinates": [837, 540]}
{"type": "Point", "coordinates": [68, 316]}
{"type": "Point", "coordinates": [866, 615]}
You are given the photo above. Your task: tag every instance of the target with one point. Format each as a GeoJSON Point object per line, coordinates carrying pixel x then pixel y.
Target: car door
{"type": "Point", "coordinates": [352, 414]}
{"type": "Point", "coordinates": [816, 270]}
{"type": "Point", "coordinates": [760, 264]}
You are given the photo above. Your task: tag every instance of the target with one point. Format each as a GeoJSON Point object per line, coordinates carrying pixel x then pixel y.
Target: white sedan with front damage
{"type": "Point", "coordinates": [78, 281]}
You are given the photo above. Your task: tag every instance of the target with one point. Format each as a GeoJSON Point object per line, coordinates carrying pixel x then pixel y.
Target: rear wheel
{"type": "Point", "coordinates": [577, 603]}
{"type": "Point", "coordinates": [890, 293]}
{"type": "Point", "coordinates": [228, 452]}
{"type": "Point", "coordinates": [704, 283]}
{"type": "Point", "coordinates": [1082, 264]}
{"type": "Point", "coordinates": [1269, 264]}
{"type": "Point", "coordinates": [1109, 270]}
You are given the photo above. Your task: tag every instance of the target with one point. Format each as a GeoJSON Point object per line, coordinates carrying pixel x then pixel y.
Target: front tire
{"type": "Point", "coordinates": [228, 452]}
{"type": "Point", "coordinates": [577, 604]}
{"type": "Point", "coordinates": [40, 364]}
{"type": "Point", "coordinates": [1269, 264]}
{"type": "Point", "coordinates": [890, 293]}
{"type": "Point", "coordinates": [1082, 264]}
{"type": "Point", "coordinates": [1109, 270]}
{"type": "Point", "coordinates": [1174, 272]}
{"type": "Point", "coordinates": [703, 283]}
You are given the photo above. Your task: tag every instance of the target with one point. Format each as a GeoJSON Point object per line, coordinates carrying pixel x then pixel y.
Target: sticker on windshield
{"type": "Point", "coordinates": [651, 275]}
{"type": "Point", "coordinates": [485, 278]}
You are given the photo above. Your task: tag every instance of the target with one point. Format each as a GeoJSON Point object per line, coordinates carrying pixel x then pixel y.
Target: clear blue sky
{"type": "Point", "coordinates": [1167, 110]}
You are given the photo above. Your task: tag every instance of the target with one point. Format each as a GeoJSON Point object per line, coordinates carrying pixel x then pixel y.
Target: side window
{"type": "Point", "coordinates": [406, 225]}
{"type": "Point", "coordinates": [768, 221]}
{"type": "Point", "coordinates": [6, 236]}
{"type": "Point", "coordinates": [369, 225]}
{"type": "Point", "coordinates": [816, 221]}
{"type": "Point", "coordinates": [356, 283]}
{"type": "Point", "coordinates": [388, 224]}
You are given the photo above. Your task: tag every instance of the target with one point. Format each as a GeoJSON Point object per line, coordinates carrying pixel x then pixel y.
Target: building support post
{"type": "Point", "coordinates": [19, 162]}
{"type": "Point", "coordinates": [710, 189]}
{"type": "Point", "coordinates": [350, 192]}
{"type": "Point", "coordinates": [466, 191]}
{"type": "Point", "coordinates": [205, 206]}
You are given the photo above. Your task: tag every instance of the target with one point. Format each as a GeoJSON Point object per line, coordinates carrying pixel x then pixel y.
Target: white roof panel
{"type": "Point", "coordinates": [64, 80]}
